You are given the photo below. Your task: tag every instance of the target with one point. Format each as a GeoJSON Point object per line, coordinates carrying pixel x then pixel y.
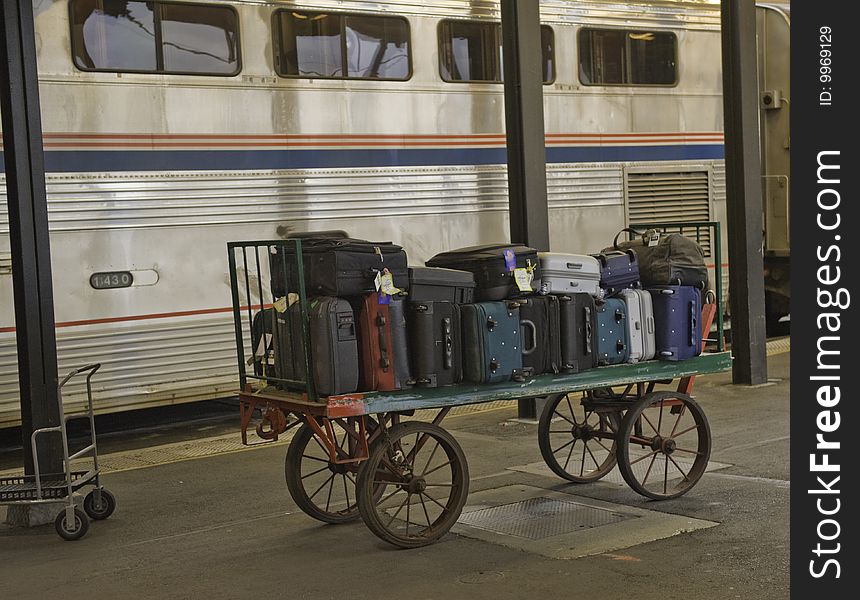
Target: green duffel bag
{"type": "Point", "coordinates": [666, 258]}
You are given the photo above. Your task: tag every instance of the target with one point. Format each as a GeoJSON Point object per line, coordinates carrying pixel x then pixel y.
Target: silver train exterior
{"type": "Point", "coordinates": [152, 174]}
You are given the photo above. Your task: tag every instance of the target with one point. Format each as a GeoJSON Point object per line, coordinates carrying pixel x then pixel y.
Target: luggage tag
{"type": "Point", "coordinates": [523, 278]}
{"type": "Point", "coordinates": [510, 260]}
{"type": "Point", "coordinates": [280, 304]}
{"type": "Point", "coordinates": [652, 237]}
{"type": "Point", "coordinates": [385, 286]}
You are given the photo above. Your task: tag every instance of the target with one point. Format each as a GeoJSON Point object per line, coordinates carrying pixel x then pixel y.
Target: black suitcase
{"type": "Point", "coordinates": [262, 343]}
{"type": "Point", "coordinates": [434, 284]}
{"type": "Point", "coordinates": [333, 345]}
{"type": "Point", "coordinates": [337, 266]}
{"type": "Point", "coordinates": [494, 267]}
{"type": "Point", "coordinates": [578, 318]}
{"type": "Point", "coordinates": [435, 343]}
{"type": "Point", "coordinates": [400, 341]}
{"type": "Point", "coordinates": [541, 334]}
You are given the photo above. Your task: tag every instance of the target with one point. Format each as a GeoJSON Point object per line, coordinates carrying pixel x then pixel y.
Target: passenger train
{"type": "Point", "coordinates": [171, 128]}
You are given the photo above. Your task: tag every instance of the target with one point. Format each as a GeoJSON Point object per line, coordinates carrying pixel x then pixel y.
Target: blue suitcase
{"type": "Point", "coordinates": [677, 321]}
{"type": "Point", "coordinates": [618, 271]}
{"type": "Point", "coordinates": [491, 342]}
{"type": "Point", "coordinates": [613, 337]}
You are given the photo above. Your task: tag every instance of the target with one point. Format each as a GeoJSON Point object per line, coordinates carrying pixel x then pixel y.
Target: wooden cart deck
{"type": "Point", "coordinates": [369, 403]}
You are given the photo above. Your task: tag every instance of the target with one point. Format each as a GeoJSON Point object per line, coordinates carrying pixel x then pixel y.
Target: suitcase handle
{"type": "Point", "coordinates": [588, 330]}
{"type": "Point", "coordinates": [620, 346]}
{"type": "Point", "coordinates": [693, 320]}
{"type": "Point", "coordinates": [383, 346]}
{"type": "Point", "coordinates": [491, 323]}
{"type": "Point", "coordinates": [649, 324]}
{"type": "Point", "coordinates": [529, 325]}
{"type": "Point", "coordinates": [666, 292]}
{"type": "Point", "coordinates": [574, 266]}
{"type": "Point", "coordinates": [619, 316]}
{"type": "Point", "coordinates": [448, 358]}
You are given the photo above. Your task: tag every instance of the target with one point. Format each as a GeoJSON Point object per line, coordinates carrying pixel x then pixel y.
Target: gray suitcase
{"type": "Point", "coordinates": [333, 345]}
{"type": "Point", "coordinates": [566, 274]}
{"type": "Point", "coordinates": [640, 324]}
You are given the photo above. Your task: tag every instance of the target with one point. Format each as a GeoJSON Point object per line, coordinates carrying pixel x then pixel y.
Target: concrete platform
{"type": "Point", "coordinates": [224, 526]}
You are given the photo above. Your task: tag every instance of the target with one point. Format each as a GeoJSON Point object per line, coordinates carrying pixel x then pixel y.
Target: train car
{"type": "Point", "coordinates": [173, 127]}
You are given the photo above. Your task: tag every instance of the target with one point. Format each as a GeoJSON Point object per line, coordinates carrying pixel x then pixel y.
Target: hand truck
{"type": "Point", "coordinates": [71, 523]}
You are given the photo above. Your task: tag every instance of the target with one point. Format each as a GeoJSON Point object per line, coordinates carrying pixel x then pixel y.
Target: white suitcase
{"type": "Point", "coordinates": [640, 322]}
{"type": "Point", "coordinates": [569, 273]}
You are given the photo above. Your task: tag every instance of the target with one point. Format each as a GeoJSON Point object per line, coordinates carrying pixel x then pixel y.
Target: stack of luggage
{"type": "Point", "coordinates": [484, 314]}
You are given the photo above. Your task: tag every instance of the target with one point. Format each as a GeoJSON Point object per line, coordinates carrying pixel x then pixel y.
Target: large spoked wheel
{"type": "Point", "coordinates": [577, 442]}
{"type": "Point", "coordinates": [664, 445]}
{"type": "Point", "coordinates": [424, 472]}
{"type": "Point", "coordinates": [322, 489]}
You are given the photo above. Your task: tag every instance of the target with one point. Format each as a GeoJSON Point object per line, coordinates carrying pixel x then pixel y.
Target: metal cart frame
{"type": "Point", "coordinates": [367, 443]}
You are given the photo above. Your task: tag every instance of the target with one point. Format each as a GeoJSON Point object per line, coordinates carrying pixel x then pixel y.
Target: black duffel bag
{"type": "Point", "coordinates": [338, 266]}
{"type": "Point", "coordinates": [666, 258]}
{"type": "Point", "coordinates": [494, 268]}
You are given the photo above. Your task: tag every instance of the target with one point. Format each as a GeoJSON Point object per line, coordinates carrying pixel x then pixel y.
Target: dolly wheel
{"type": "Point", "coordinates": [99, 508]}
{"type": "Point", "coordinates": [79, 530]}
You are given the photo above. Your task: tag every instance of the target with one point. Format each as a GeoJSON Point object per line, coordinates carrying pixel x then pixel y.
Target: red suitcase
{"type": "Point", "coordinates": [375, 346]}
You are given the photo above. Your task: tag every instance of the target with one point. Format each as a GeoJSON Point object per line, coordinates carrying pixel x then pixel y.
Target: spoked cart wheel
{"type": "Point", "coordinates": [424, 474]}
{"type": "Point", "coordinates": [577, 439]}
{"type": "Point", "coordinates": [323, 489]}
{"type": "Point", "coordinates": [664, 445]}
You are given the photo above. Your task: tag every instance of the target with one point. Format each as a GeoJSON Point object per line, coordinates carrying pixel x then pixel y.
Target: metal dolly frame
{"type": "Point", "coordinates": [71, 523]}
{"type": "Point", "coordinates": [362, 442]}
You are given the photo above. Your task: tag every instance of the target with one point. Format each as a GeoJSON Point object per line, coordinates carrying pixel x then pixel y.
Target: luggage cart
{"type": "Point", "coordinates": [71, 523]}
{"type": "Point", "coordinates": [408, 479]}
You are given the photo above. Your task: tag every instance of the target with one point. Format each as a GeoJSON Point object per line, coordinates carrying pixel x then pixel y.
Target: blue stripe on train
{"type": "Point", "coordinates": [66, 161]}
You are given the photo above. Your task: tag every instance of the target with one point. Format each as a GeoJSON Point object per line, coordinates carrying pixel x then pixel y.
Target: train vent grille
{"type": "Point", "coordinates": [663, 197]}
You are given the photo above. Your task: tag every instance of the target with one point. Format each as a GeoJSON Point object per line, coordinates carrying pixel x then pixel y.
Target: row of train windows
{"type": "Point", "coordinates": [199, 39]}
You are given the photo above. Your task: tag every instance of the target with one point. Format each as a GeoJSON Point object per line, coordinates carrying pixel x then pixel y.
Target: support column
{"type": "Point", "coordinates": [28, 222]}
{"type": "Point", "coordinates": [743, 192]}
{"type": "Point", "coordinates": [524, 124]}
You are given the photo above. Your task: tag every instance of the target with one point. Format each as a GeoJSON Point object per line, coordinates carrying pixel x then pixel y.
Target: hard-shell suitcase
{"type": "Point", "coordinates": [400, 342]}
{"type": "Point", "coordinates": [569, 274]}
{"type": "Point", "coordinates": [618, 271]}
{"type": "Point", "coordinates": [435, 343]}
{"type": "Point", "coordinates": [640, 323]}
{"type": "Point", "coordinates": [613, 340]}
{"type": "Point", "coordinates": [337, 266]}
{"type": "Point", "coordinates": [578, 319]}
{"type": "Point", "coordinates": [435, 284]}
{"type": "Point", "coordinates": [331, 324]}
{"type": "Point", "coordinates": [491, 342]}
{"type": "Point", "coordinates": [677, 324]}
{"type": "Point", "coordinates": [496, 267]}
{"type": "Point", "coordinates": [375, 346]}
{"type": "Point", "coordinates": [541, 334]}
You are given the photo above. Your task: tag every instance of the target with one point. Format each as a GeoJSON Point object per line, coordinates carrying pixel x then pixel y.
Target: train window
{"type": "Point", "coordinates": [154, 37]}
{"type": "Point", "coordinates": [623, 57]}
{"type": "Point", "coordinates": [337, 46]}
{"type": "Point", "coordinates": [471, 51]}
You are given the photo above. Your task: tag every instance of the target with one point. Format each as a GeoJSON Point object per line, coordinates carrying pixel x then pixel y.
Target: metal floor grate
{"type": "Point", "coordinates": [539, 518]}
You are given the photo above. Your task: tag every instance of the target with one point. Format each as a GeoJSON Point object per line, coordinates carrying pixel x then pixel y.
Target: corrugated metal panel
{"type": "Point", "coordinates": [142, 364]}
{"type": "Point", "coordinates": [135, 200]}
{"type": "Point", "coordinates": [664, 196]}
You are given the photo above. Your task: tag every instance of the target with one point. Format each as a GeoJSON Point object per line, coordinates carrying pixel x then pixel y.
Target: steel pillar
{"type": "Point", "coordinates": [524, 124]}
{"type": "Point", "coordinates": [743, 191]}
{"type": "Point", "coordinates": [28, 222]}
